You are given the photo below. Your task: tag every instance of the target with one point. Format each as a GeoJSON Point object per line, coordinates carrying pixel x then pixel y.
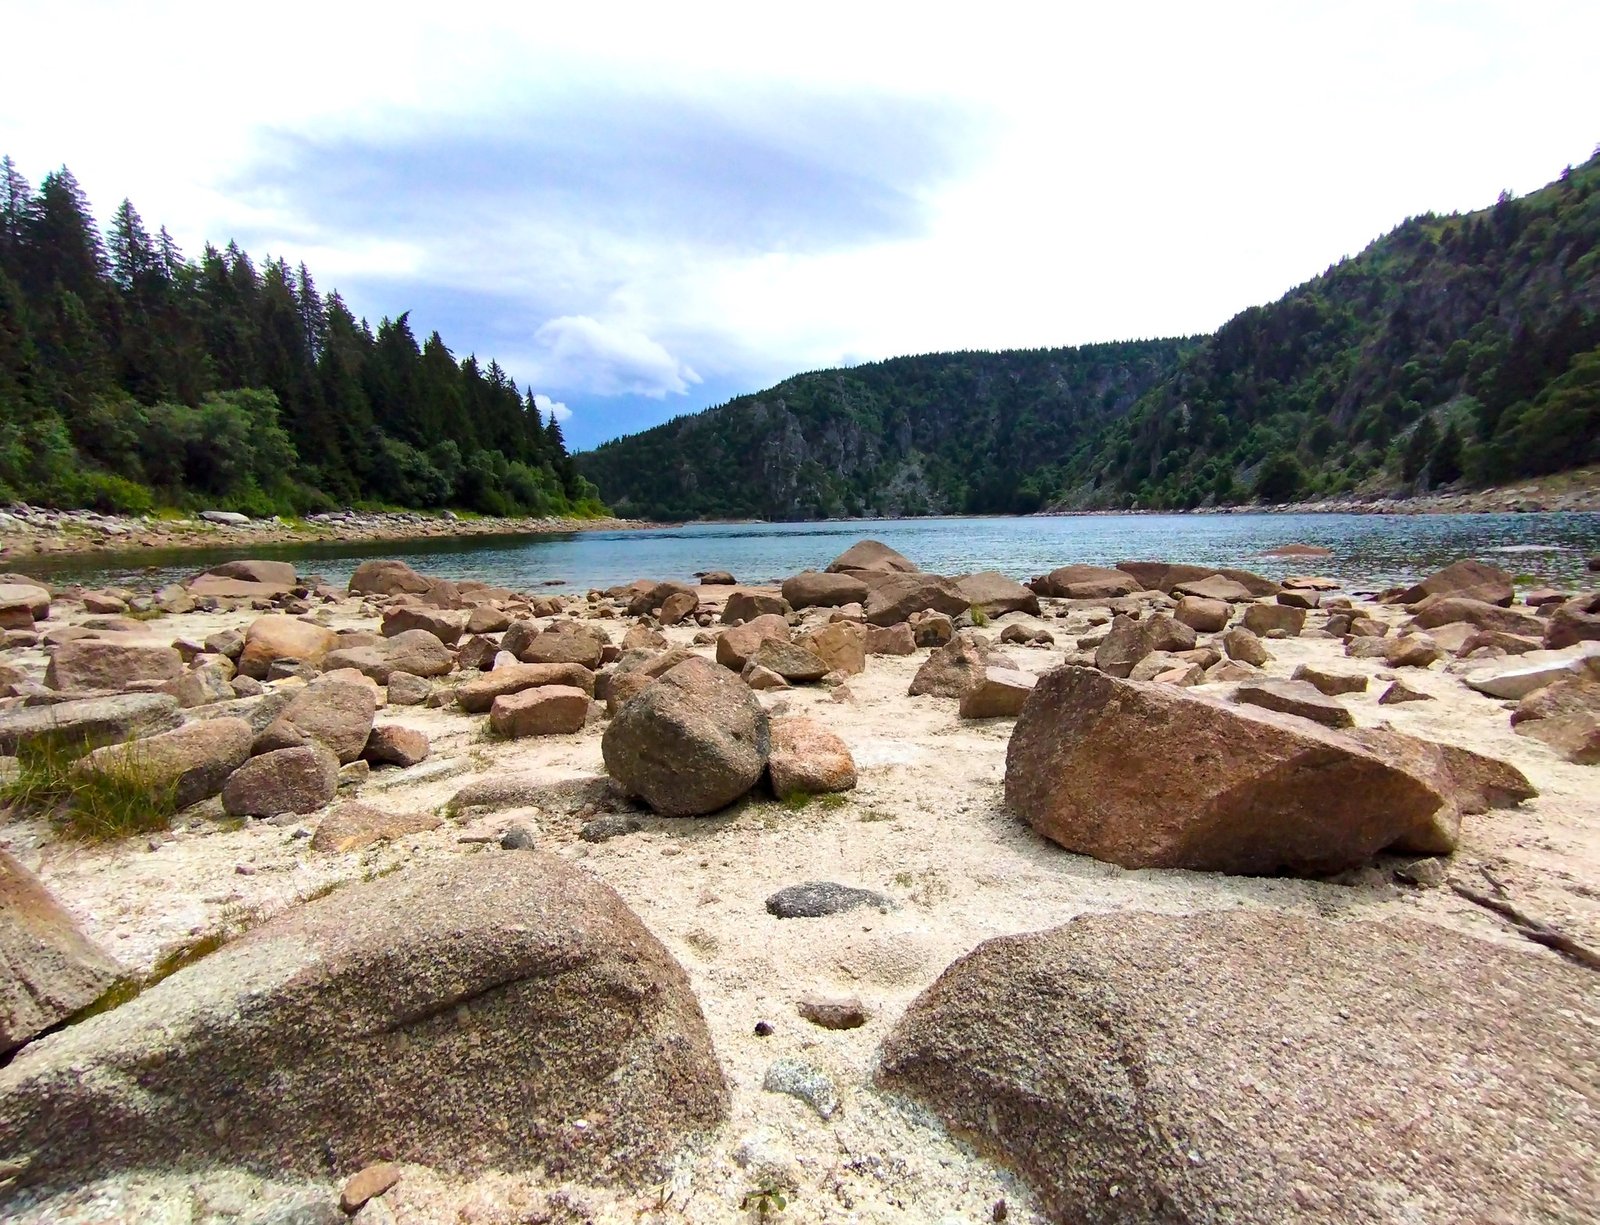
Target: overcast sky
{"type": "Point", "coordinates": [644, 213]}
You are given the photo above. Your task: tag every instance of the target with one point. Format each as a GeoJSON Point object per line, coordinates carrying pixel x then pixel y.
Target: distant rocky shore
{"type": "Point", "coordinates": [27, 531]}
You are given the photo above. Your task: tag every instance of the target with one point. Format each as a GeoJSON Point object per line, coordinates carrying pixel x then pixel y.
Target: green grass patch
{"type": "Point", "coordinates": [979, 617]}
{"type": "Point", "coordinates": [796, 801]}
{"type": "Point", "coordinates": [127, 797]}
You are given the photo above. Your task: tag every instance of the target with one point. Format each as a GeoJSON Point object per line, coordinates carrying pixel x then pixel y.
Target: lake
{"type": "Point", "coordinates": [1369, 549]}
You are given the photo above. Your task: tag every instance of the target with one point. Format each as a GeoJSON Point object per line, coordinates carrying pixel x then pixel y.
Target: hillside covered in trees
{"type": "Point", "coordinates": [131, 377]}
{"type": "Point", "coordinates": [1454, 349]}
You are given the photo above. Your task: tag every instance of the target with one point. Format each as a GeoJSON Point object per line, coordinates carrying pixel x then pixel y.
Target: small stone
{"type": "Point", "coordinates": [1402, 692]}
{"type": "Point", "coordinates": [834, 1014]}
{"type": "Point", "coordinates": [518, 838]}
{"type": "Point", "coordinates": [763, 1029]}
{"type": "Point", "coordinates": [613, 825]}
{"type": "Point", "coordinates": [802, 1081]}
{"type": "Point", "coordinates": [814, 899]}
{"type": "Point", "coordinates": [368, 1184]}
{"type": "Point", "coordinates": [1295, 698]}
{"type": "Point", "coordinates": [1427, 873]}
{"type": "Point", "coordinates": [1330, 682]}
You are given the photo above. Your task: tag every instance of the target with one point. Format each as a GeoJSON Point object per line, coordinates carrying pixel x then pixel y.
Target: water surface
{"type": "Point", "coordinates": [1367, 549]}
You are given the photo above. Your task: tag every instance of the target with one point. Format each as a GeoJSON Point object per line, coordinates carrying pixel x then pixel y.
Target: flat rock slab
{"type": "Point", "coordinates": [1295, 698]}
{"type": "Point", "coordinates": [818, 898]}
{"type": "Point", "coordinates": [92, 721]}
{"type": "Point", "coordinates": [1256, 1067]}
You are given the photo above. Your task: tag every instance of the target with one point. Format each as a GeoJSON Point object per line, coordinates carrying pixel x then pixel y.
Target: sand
{"type": "Point", "coordinates": [926, 826]}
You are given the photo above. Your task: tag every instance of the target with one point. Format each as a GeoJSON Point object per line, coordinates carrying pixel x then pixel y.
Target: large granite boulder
{"type": "Point", "coordinates": [89, 721]}
{"type": "Point", "coordinates": [1439, 610]}
{"type": "Point", "coordinates": [808, 759]}
{"type": "Point", "coordinates": [387, 578]}
{"type": "Point", "coordinates": [1152, 776]}
{"type": "Point", "coordinates": [898, 596]}
{"type": "Point", "coordinates": [28, 600]}
{"type": "Point", "coordinates": [85, 665]}
{"type": "Point", "coordinates": [1576, 620]}
{"type": "Point", "coordinates": [1128, 641]}
{"type": "Point", "coordinates": [745, 605]}
{"type": "Point", "coordinates": [450, 1015]}
{"type": "Point", "coordinates": [815, 589]}
{"type": "Point", "coordinates": [447, 625]}
{"type": "Point", "coordinates": [51, 970]}
{"type": "Point", "coordinates": [1471, 580]}
{"type": "Point", "coordinates": [276, 573]}
{"type": "Point", "coordinates": [872, 556]}
{"type": "Point", "coordinates": [296, 780]}
{"type": "Point", "coordinates": [1256, 1067]}
{"type": "Point", "coordinates": [414, 652]}
{"type": "Point", "coordinates": [737, 645]}
{"type": "Point", "coordinates": [1085, 583]}
{"type": "Point", "coordinates": [950, 670]}
{"type": "Point", "coordinates": [994, 595]}
{"type": "Point", "coordinates": [692, 742]}
{"type": "Point", "coordinates": [1566, 716]}
{"type": "Point", "coordinates": [841, 645]}
{"type": "Point", "coordinates": [194, 760]}
{"type": "Point", "coordinates": [478, 694]}
{"type": "Point", "coordinates": [330, 711]}
{"type": "Point", "coordinates": [276, 636]}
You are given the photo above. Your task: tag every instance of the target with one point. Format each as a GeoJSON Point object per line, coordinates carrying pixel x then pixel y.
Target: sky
{"type": "Point", "coordinates": [642, 211]}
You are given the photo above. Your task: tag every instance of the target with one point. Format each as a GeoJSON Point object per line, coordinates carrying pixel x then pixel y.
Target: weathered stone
{"type": "Point", "coordinates": [1300, 599]}
{"type": "Point", "coordinates": [931, 629]}
{"type": "Point", "coordinates": [1329, 681]}
{"type": "Point", "coordinates": [1523, 677]}
{"type": "Point", "coordinates": [841, 645]}
{"type": "Point", "coordinates": [998, 694]}
{"type": "Point", "coordinates": [1161, 1054]}
{"type": "Point", "coordinates": [762, 679]}
{"type": "Point", "coordinates": [1213, 587]}
{"type": "Point", "coordinates": [52, 970]}
{"type": "Point", "coordinates": [1470, 580]}
{"type": "Point", "coordinates": [392, 1016]}
{"type": "Point", "coordinates": [1243, 645]}
{"type": "Point", "coordinates": [1407, 651]}
{"type": "Point", "coordinates": [1199, 613]}
{"type": "Point", "coordinates": [26, 598]}
{"type": "Point", "coordinates": [487, 619]}
{"type": "Point", "coordinates": [648, 597]}
{"type": "Point", "coordinates": [605, 828]}
{"type": "Point", "coordinates": [847, 1013]}
{"type": "Point", "coordinates": [815, 589]}
{"type": "Point", "coordinates": [1263, 619]}
{"type": "Point", "coordinates": [279, 637]}
{"type": "Point", "coordinates": [226, 642]}
{"type": "Point", "coordinates": [394, 745]}
{"type": "Point", "coordinates": [643, 637]}
{"type": "Point", "coordinates": [736, 646]}
{"type": "Point", "coordinates": [744, 605]}
{"type": "Point", "coordinates": [407, 690]}
{"type": "Point", "coordinates": [86, 665]}
{"type": "Point", "coordinates": [872, 556]}
{"type": "Point", "coordinates": [276, 573]}
{"type": "Point", "coordinates": [1128, 641]}
{"type": "Point", "coordinates": [562, 645]}
{"type": "Point", "coordinates": [1565, 716]}
{"type": "Point", "coordinates": [807, 759]}
{"type": "Point", "coordinates": [691, 743]}
{"type": "Point", "coordinates": [194, 760]}
{"type": "Point", "coordinates": [415, 652]}
{"type": "Point", "coordinates": [1230, 671]}
{"type": "Point", "coordinates": [286, 780]}
{"type": "Point", "coordinates": [995, 595]}
{"type": "Point", "coordinates": [1085, 583]}
{"type": "Point", "coordinates": [1152, 776]}
{"type": "Point", "coordinates": [1578, 620]}
{"type": "Point", "coordinates": [1447, 610]}
{"type": "Point", "coordinates": [444, 624]}
{"type": "Point", "coordinates": [896, 597]}
{"type": "Point", "coordinates": [353, 826]}
{"type": "Point", "coordinates": [819, 898]}
{"type": "Point", "coordinates": [677, 606]}
{"type": "Point", "coordinates": [792, 662]}
{"type": "Point", "coordinates": [387, 578]}
{"type": "Point", "coordinates": [890, 639]}
{"type": "Point", "coordinates": [1295, 698]}
{"type": "Point", "coordinates": [716, 578]}
{"type": "Point", "coordinates": [200, 686]}
{"type": "Point", "coordinates": [329, 711]}
{"type": "Point", "coordinates": [367, 1184]}
{"type": "Point", "coordinates": [89, 721]}
{"type": "Point", "coordinates": [953, 668]}
{"type": "Point", "coordinates": [1399, 692]}
{"type": "Point", "coordinates": [550, 710]}
{"type": "Point", "coordinates": [479, 694]}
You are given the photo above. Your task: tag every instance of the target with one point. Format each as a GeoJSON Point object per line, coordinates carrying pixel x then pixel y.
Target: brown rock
{"type": "Point", "coordinates": [1085, 583]}
{"type": "Point", "coordinates": [737, 645]}
{"type": "Point", "coordinates": [1295, 698]}
{"type": "Point", "coordinates": [1446, 610]}
{"type": "Point", "coordinates": [369, 1183]}
{"type": "Point", "coordinates": [1263, 619]}
{"type": "Point", "coordinates": [1564, 715]}
{"type": "Point", "coordinates": [561, 644]}
{"type": "Point", "coordinates": [194, 760]}
{"type": "Point", "coordinates": [29, 599]}
{"type": "Point", "coordinates": [407, 690]}
{"type": "Point", "coordinates": [813, 589]}
{"type": "Point", "coordinates": [278, 637]}
{"type": "Point", "coordinates": [1128, 641]}
{"type": "Point", "coordinates": [52, 970]}
{"type": "Point", "coordinates": [1213, 587]}
{"type": "Point", "coordinates": [445, 625]}
{"type": "Point", "coordinates": [808, 759]}
{"type": "Point", "coordinates": [1300, 599]}
{"type": "Point", "coordinates": [1407, 651]}
{"type": "Point", "coordinates": [995, 595]}
{"type": "Point", "coordinates": [487, 619]}
{"type": "Point", "coordinates": [998, 694]}
{"type": "Point", "coordinates": [689, 744]}
{"type": "Point", "coordinates": [953, 668]}
{"type": "Point", "coordinates": [841, 645]}
{"type": "Point", "coordinates": [848, 1013]}
{"type": "Point", "coordinates": [353, 827]}
{"type": "Point", "coordinates": [416, 652]}
{"type": "Point", "coordinates": [1399, 692]}
{"type": "Point", "coordinates": [387, 578]}
{"type": "Point", "coordinates": [295, 780]}
{"type": "Point", "coordinates": [1578, 620]}
{"type": "Point", "coordinates": [760, 679]}
{"type": "Point", "coordinates": [1470, 580]}
{"type": "Point", "coordinates": [899, 595]}
{"type": "Point", "coordinates": [333, 712]}
{"type": "Point", "coordinates": [89, 721]}
{"type": "Point", "coordinates": [1329, 681]}
{"type": "Point", "coordinates": [479, 694]}
{"type": "Point", "coordinates": [1153, 776]}
{"type": "Point", "coordinates": [392, 1016]}
{"type": "Point", "coordinates": [86, 665]}
{"type": "Point", "coordinates": [1230, 671]}
{"type": "Point", "coordinates": [394, 745]}
{"type": "Point", "coordinates": [890, 640]}
{"type": "Point", "coordinates": [276, 573]}
{"type": "Point", "coordinates": [1199, 613]}
{"type": "Point", "coordinates": [745, 605]}
{"type": "Point", "coordinates": [1160, 1054]}
{"type": "Point", "coordinates": [931, 629]}
{"type": "Point", "coordinates": [643, 637]}
{"type": "Point", "coordinates": [677, 606]}
{"type": "Point", "coordinates": [792, 662]}
{"type": "Point", "coordinates": [550, 710]}
{"type": "Point", "coordinates": [1243, 645]}
{"type": "Point", "coordinates": [870, 555]}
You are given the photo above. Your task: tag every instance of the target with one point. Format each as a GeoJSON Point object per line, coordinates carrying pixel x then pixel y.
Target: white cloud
{"type": "Point", "coordinates": [552, 408]}
{"type": "Point", "coordinates": [577, 351]}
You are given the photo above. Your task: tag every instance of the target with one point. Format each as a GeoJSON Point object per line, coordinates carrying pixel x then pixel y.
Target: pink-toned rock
{"type": "Point", "coordinates": [998, 694]}
{"type": "Point", "coordinates": [841, 645]}
{"type": "Point", "coordinates": [279, 637]}
{"type": "Point", "coordinates": [479, 694]}
{"type": "Point", "coordinates": [86, 665]}
{"type": "Point", "coordinates": [394, 745]}
{"type": "Point", "coordinates": [807, 758]}
{"type": "Point", "coordinates": [1472, 580]}
{"type": "Point", "coordinates": [355, 826]}
{"type": "Point", "coordinates": [890, 640]}
{"type": "Point", "coordinates": [550, 710]}
{"type": "Point", "coordinates": [736, 645]}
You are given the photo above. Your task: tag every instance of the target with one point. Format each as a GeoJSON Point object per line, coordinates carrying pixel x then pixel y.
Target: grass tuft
{"type": "Point", "coordinates": [127, 797]}
{"type": "Point", "coordinates": [979, 617]}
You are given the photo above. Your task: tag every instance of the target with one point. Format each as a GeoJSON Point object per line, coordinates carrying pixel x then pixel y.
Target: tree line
{"type": "Point", "coordinates": [132, 377]}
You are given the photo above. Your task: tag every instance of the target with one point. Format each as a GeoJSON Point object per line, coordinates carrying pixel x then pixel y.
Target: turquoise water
{"type": "Point", "coordinates": [1367, 549]}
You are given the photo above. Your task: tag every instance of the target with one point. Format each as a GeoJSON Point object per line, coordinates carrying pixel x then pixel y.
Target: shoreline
{"type": "Point", "coordinates": [33, 532]}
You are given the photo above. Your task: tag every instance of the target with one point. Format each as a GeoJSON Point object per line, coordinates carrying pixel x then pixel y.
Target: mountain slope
{"type": "Point", "coordinates": [1453, 348]}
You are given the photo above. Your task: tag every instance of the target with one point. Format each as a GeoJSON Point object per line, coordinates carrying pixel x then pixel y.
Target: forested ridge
{"type": "Point", "coordinates": [133, 378]}
{"type": "Point", "coordinates": [1456, 349]}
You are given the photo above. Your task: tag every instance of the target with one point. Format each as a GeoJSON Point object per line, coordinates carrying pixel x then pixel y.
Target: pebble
{"type": "Point", "coordinates": [834, 1014]}
{"type": "Point", "coordinates": [371, 1182]}
{"type": "Point", "coordinates": [817, 898]}
{"type": "Point", "coordinates": [603, 828]}
{"type": "Point", "coordinates": [518, 838]}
